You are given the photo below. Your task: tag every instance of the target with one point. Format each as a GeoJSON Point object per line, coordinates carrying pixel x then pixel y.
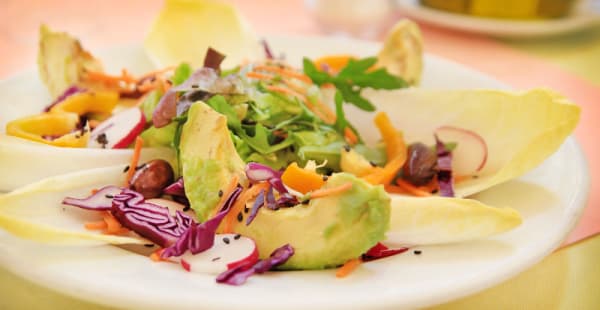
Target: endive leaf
{"type": "Point", "coordinates": [520, 129]}
{"type": "Point", "coordinates": [36, 212]}
{"type": "Point", "coordinates": [435, 220]}
{"type": "Point", "coordinates": [23, 162]}
{"type": "Point", "coordinates": [185, 29]}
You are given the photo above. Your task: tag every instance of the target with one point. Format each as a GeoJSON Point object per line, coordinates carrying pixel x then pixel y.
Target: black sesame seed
{"type": "Point", "coordinates": [347, 148]}
{"type": "Point", "coordinates": [325, 178]}
{"type": "Point", "coordinates": [109, 196]}
{"type": "Point", "coordinates": [226, 240]}
{"type": "Point", "coordinates": [149, 245]}
{"type": "Point", "coordinates": [216, 259]}
{"type": "Point", "coordinates": [220, 193]}
{"type": "Point", "coordinates": [417, 252]}
{"type": "Point", "coordinates": [186, 208]}
{"type": "Point", "coordinates": [305, 202]}
{"type": "Point", "coordinates": [142, 166]}
{"type": "Point", "coordinates": [126, 169]}
{"type": "Point", "coordinates": [434, 191]}
{"type": "Point", "coordinates": [246, 210]}
{"type": "Point", "coordinates": [475, 176]}
{"type": "Point", "coordinates": [240, 217]}
{"type": "Point", "coordinates": [195, 86]}
{"type": "Point", "coordinates": [373, 164]}
{"type": "Point", "coordinates": [237, 236]}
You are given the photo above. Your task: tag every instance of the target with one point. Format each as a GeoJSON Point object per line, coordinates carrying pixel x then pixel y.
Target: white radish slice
{"type": "Point", "coordinates": [471, 152]}
{"type": "Point", "coordinates": [229, 251]}
{"type": "Point", "coordinates": [119, 130]}
{"type": "Point", "coordinates": [172, 206]}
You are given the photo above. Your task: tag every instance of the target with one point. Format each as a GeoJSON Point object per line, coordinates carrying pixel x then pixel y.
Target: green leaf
{"type": "Point", "coordinates": [340, 116]}
{"type": "Point", "coordinates": [354, 97]}
{"type": "Point", "coordinates": [260, 141]}
{"type": "Point", "coordinates": [317, 76]}
{"type": "Point", "coordinates": [150, 102]}
{"type": "Point", "coordinates": [219, 104]}
{"type": "Point", "coordinates": [356, 67]}
{"type": "Point", "coordinates": [182, 73]}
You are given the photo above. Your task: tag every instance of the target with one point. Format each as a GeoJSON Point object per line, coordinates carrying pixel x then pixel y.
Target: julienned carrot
{"type": "Point", "coordinates": [284, 72]}
{"type": "Point", "coordinates": [320, 193]}
{"type": "Point", "coordinates": [386, 174]}
{"type": "Point", "coordinates": [99, 225]}
{"type": "Point", "coordinates": [350, 136]}
{"type": "Point", "coordinates": [395, 189]}
{"type": "Point", "coordinates": [348, 267]}
{"type": "Point", "coordinates": [135, 158]}
{"type": "Point", "coordinates": [109, 79]}
{"type": "Point", "coordinates": [301, 180]}
{"type": "Point", "coordinates": [258, 76]}
{"type": "Point", "coordinates": [411, 189]}
{"type": "Point", "coordinates": [393, 139]}
{"type": "Point", "coordinates": [156, 256]}
{"type": "Point", "coordinates": [239, 204]}
{"type": "Point", "coordinates": [112, 225]}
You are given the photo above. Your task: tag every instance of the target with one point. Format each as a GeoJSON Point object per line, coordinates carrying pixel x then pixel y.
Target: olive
{"type": "Point", "coordinates": [151, 178]}
{"type": "Point", "coordinates": [420, 167]}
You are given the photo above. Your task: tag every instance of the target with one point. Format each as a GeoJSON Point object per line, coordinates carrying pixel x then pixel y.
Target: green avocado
{"type": "Point", "coordinates": [327, 231]}
{"type": "Point", "coordinates": [208, 158]}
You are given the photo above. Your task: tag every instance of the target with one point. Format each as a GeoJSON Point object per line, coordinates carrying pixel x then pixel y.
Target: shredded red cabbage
{"type": "Point", "coordinates": [380, 251]}
{"type": "Point", "coordinates": [258, 203]}
{"type": "Point", "coordinates": [151, 221]}
{"type": "Point", "coordinates": [444, 167]}
{"type": "Point", "coordinates": [267, 49]}
{"type": "Point", "coordinates": [271, 203]}
{"type": "Point", "coordinates": [175, 189]}
{"type": "Point", "coordinates": [239, 274]}
{"type": "Point", "coordinates": [259, 173]}
{"type": "Point", "coordinates": [200, 237]}
{"type": "Point", "coordinates": [99, 201]}
{"type": "Point", "coordinates": [66, 94]}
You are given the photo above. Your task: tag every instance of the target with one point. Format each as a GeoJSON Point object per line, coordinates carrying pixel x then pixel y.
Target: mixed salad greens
{"type": "Point", "coordinates": [263, 165]}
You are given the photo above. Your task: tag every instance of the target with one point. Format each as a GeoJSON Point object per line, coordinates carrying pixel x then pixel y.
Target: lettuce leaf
{"type": "Point", "coordinates": [521, 129]}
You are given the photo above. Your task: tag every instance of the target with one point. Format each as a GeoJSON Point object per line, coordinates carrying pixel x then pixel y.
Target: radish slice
{"type": "Point", "coordinates": [229, 251]}
{"type": "Point", "coordinates": [471, 152]}
{"type": "Point", "coordinates": [172, 206]}
{"type": "Point", "coordinates": [119, 130]}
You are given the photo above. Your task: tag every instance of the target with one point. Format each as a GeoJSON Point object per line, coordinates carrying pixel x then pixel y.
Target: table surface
{"type": "Point", "coordinates": [569, 64]}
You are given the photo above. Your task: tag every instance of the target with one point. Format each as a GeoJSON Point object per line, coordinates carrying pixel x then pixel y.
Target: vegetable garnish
{"type": "Point", "coordinates": [135, 158]}
{"type": "Point", "coordinates": [100, 200]}
{"type": "Point", "coordinates": [348, 268]}
{"type": "Point", "coordinates": [380, 251]}
{"type": "Point", "coordinates": [323, 192]}
{"type": "Point", "coordinates": [353, 78]}
{"type": "Point", "coordinates": [246, 195]}
{"type": "Point", "coordinates": [301, 180]}
{"type": "Point", "coordinates": [444, 166]}
{"type": "Point", "coordinates": [240, 274]}
{"type": "Point", "coordinates": [407, 187]}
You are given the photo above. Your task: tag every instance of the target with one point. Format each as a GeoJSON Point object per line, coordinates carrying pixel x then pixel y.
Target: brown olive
{"type": "Point", "coordinates": [151, 178]}
{"type": "Point", "coordinates": [420, 166]}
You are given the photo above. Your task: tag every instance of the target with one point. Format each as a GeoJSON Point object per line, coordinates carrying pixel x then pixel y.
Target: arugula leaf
{"type": "Point", "coordinates": [182, 73]}
{"type": "Point", "coordinates": [353, 78]}
{"type": "Point", "coordinates": [220, 104]}
{"type": "Point", "coordinates": [260, 141]}
{"type": "Point", "coordinates": [340, 120]}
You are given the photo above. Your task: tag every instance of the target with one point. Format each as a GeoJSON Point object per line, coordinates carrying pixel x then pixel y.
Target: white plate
{"type": "Point", "coordinates": [550, 198]}
{"type": "Point", "coordinates": [583, 16]}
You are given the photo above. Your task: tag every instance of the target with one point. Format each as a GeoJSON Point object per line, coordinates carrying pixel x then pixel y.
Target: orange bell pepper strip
{"type": "Point", "coordinates": [101, 102]}
{"type": "Point", "coordinates": [58, 129]}
{"type": "Point", "coordinates": [301, 180]}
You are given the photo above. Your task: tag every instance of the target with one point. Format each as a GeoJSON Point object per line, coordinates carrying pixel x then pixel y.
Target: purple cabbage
{"type": "Point", "coordinates": [200, 237]}
{"type": "Point", "coordinates": [99, 201]}
{"type": "Point", "coordinates": [239, 274]}
{"type": "Point", "coordinates": [444, 166]}
{"type": "Point", "coordinates": [149, 220]}
{"type": "Point", "coordinates": [270, 202]}
{"type": "Point", "coordinates": [66, 94]}
{"type": "Point", "coordinates": [258, 203]}
{"type": "Point", "coordinates": [175, 189]}
{"type": "Point", "coordinates": [258, 173]}
{"type": "Point", "coordinates": [267, 49]}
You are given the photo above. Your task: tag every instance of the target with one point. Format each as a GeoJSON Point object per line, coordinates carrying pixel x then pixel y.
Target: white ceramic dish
{"type": "Point", "coordinates": [583, 16]}
{"type": "Point", "coordinates": [550, 199]}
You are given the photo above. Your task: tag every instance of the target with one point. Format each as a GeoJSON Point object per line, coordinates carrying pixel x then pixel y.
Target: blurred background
{"type": "Point", "coordinates": [524, 43]}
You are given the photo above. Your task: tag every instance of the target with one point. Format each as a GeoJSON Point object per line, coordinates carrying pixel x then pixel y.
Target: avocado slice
{"type": "Point", "coordinates": [208, 158]}
{"type": "Point", "coordinates": [327, 231]}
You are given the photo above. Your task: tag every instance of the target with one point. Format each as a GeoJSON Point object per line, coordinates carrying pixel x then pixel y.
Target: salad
{"type": "Point", "coordinates": [259, 166]}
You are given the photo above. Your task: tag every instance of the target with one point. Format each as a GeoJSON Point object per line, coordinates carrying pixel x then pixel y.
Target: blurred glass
{"type": "Point", "coordinates": [355, 18]}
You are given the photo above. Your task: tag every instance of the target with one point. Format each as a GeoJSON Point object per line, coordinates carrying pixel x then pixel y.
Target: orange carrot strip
{"type": "Point", "coordinates": [386, 174]}
{"type": "Point", "coordinates": [320, 193]}
{"type": "Point", "coordinates": [239, 204]}
{"type": "Point", "coordinates": [348, 267]}
{"type": "Point", "coordinates": [411, 189]}
{"type": "Point", "coordinates": [301, 179]}
{"type": "Point", "coordinates": [350, 136]}
{"type": "Point", "coordinates": [137, 150]}
{"type": "Point", "coordinates": [259, 76]}
{"type": "Point", "coordinates": [285, 72]}
{"type": "Point", "coordinates": [96, 225]}
{"type": "Point", "coordinates": [94, 190]}
{"type": "Point", "coordinates": [156, 257]}
{"type": "Point", "coordinates": [461, 178]}
{"type": "Point", "coordinates": [156, 72]}
{"type": "Point", "coordinates": [394, 142]}
{"type": "Point", "coordinates": [112, 225]}
{"type": "Point", "coordinates": [431, 186]}
{"type": "Point", "coordinates": [394, 189]}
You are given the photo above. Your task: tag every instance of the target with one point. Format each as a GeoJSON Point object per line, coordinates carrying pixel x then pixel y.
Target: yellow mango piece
{"type": "Point", "coordinates": [60, 125]}
{"type": "Point", "coordinates": [101, 102]}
